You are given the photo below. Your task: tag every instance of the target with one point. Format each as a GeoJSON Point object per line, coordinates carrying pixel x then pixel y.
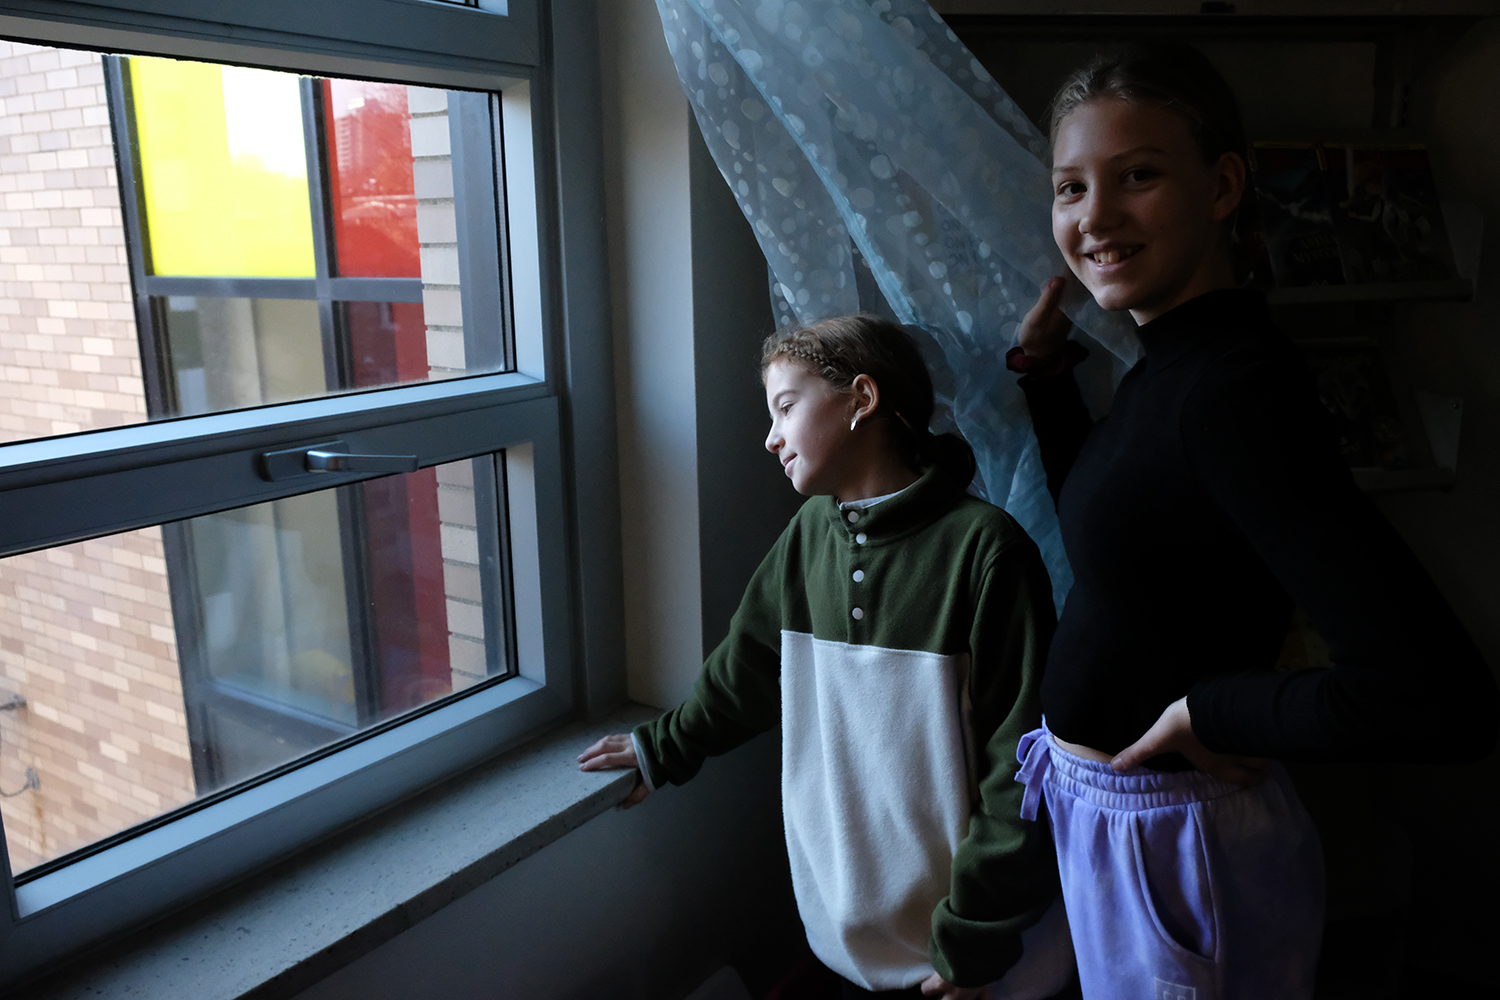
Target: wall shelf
{"type": "Point", "coordinates": [1455, 289]}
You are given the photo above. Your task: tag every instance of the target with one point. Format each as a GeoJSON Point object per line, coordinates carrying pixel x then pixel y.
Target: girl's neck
{"type": "Point", "coordinates": [1216, 273]}
{"type": "Point", "coordinates": [877, 479]}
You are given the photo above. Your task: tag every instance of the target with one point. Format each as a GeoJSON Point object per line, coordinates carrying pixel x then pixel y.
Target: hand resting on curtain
{"type": "Point", "coordinates": [1044, 329]}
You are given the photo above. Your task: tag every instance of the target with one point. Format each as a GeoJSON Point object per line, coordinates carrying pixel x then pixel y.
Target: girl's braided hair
{"type": "Point", "coordinates": [839, 350]}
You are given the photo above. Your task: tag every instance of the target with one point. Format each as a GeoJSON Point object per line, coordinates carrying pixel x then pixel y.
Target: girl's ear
{"type": "Point", "coordinates": [1230, 185]}
{"type": "Point", "coordinates": [864, 397]}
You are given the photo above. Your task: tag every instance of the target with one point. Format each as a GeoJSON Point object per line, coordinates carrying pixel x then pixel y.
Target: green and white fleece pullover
{"type": "Point", "coordinates": [901, 649]}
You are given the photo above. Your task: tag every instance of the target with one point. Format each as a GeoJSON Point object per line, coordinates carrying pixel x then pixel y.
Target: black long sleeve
{"type": "Point", "coordinates": [1208, 501]}
{"type": "Point", "coordinates": [1402, 661]}
{"type": "Point", "coordinates": [1061, 422]}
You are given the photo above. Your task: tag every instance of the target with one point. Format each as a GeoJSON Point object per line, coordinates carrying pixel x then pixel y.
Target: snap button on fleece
{"type": "Point", "coordinates": [854, 517]}
{"type": "Point", "coordinates": [859, 576]}
{"type": "Point", "coordinates": [860, 538]}
{"type": "Point", "coordinates": [858, 613]}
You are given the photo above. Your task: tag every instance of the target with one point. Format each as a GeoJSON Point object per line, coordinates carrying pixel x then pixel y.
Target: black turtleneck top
{"type": "Point", "coordinates": [1209, 501]}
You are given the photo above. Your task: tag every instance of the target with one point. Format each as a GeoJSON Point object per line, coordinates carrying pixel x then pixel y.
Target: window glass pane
{"type": "Point", "coordinates": [371, 177]}
{"type": "Point", "coordinates": [270, 581]}
{"type": "Point", "coordinates": [163, 664]}
{"type": "Point", "coordinates": [224, 169]}
{"type": "Point", "coordinates": [228, 353]}
{"type": "Point", "coordinates": [256, 316]}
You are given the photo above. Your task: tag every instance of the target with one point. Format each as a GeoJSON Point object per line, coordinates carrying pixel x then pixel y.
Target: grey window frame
{"type": "Point", "coordinates": [563, 486]}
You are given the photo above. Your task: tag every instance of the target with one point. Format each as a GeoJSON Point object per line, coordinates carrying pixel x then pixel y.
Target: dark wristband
{"type": "Point", "coordinates": [1018, 361]}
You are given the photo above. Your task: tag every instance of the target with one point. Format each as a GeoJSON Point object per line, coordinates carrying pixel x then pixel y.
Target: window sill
{"type": "Point", "coordinates": [279, 932]}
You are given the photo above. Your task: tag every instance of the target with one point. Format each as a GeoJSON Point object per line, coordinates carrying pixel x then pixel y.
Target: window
{"type": "Point", "coordinates": [284, 483]}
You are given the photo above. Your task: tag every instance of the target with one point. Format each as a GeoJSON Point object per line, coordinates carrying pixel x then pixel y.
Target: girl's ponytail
{"type": "Point", "coordinates": [841, 349]}
{"type": "Point", "coordinates": [951, 453]}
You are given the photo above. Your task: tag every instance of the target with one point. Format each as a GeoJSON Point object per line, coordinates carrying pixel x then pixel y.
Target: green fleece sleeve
{"type": "Point", "coordinates": [1005, 871]}
{"type": "Point", "coordinates": [737, 696]}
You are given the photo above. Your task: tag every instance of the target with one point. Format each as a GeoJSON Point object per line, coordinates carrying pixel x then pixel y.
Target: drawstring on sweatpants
{"type": "Point", "coordinates": [1034, 753]}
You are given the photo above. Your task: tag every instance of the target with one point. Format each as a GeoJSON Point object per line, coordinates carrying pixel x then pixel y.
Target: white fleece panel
{"type": "Point", "coordinates": [875, 796]}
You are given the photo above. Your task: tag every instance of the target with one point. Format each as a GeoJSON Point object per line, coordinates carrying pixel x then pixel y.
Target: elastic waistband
{"type": "Point", "coordinates": [1098, 783]}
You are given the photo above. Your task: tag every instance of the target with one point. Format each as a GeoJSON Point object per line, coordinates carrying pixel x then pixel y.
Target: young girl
{"type": "Point", "coordinates": [1209, 501]}
{"type": "Point", "coordinates": [896, 632]}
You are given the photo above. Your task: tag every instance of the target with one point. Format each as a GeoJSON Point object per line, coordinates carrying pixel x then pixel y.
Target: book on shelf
{"type": "Point", "coordinates": [1386, 214]}
{"type": "Point", "coordinates": [1337, 213]}
{"type": "Point", "coordinates": [1353, 387]}
{"type": "Point", "coordinates": [1296, 219]}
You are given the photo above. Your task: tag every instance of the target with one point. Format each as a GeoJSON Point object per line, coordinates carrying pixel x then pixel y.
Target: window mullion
{"type": "Point", "coordinates": [471, 131]}
{"type": "Point", "coordinates": [156, 364]}
{"type": "Point", "coordinates": [337, 368]}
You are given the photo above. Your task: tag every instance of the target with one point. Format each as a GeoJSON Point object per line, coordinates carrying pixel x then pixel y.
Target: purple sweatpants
{"type": "Point", "coordinates": [1180, 886]}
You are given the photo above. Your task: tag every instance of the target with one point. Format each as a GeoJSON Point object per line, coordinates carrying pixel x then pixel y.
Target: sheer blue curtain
{"type": "Point", "coordinates": [883, 169]}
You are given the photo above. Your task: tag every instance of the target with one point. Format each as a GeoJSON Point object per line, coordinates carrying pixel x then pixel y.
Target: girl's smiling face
{"type": "Point", "coordinates": [809, 428]}
{"type": "Point", "coordinates": [1139, 217]}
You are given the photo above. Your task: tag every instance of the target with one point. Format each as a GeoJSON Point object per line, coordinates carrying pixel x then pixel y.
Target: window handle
{"type": "Point", "coordinates": [331, 456]}
{"type": "Point", "coordinates": [318, 460]}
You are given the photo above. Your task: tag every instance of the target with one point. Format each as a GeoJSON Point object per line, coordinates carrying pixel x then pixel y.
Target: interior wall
{"type": "Point", "coordinates": [650, 224]}
{"type": "Point", "coordinates": [744, 497]}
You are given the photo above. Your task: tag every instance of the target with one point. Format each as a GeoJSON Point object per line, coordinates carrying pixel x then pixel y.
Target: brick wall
{"type": "Point", "coordinates": [442, 308]}
{"type": "Point", "coordinates": [86, 631]}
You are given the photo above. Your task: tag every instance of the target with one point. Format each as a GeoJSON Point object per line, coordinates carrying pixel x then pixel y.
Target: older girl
{"type": "Point", "coordinates": [1209, 501]}
{"type": "Point", "coordinates": [896, 632]}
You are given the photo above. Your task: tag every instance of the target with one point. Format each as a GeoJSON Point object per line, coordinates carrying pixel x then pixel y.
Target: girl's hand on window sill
{"type": "Point", "coordinates": [616, 753]}
{"type": "Point", "coordinates": [1173, 733]}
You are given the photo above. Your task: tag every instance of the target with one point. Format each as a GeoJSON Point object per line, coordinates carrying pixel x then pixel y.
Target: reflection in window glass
{"type": "Point", "coordinates": [229, 353]}
{"type": "Point", "coordinates": [162, 664]}
{"type": "Point", "coordinates": [224, 169]}
{"type": "Point", "coordinates": [388, 342]}
{"type": "Point", "coordinates": [371, 177]}
{"type": "Point", "coordinates": [270, 583]}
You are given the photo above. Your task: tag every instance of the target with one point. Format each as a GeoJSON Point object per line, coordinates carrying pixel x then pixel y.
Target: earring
{"type": "Point", "coordinates": [853, 422]}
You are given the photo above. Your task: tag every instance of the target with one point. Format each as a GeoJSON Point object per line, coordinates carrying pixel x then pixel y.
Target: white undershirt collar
{"type": "Point", "coordinates": [869, 502]}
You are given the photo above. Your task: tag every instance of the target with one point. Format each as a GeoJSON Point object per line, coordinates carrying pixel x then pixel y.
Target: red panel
{"type": "Point", "coordinates": [387, 341]}
{"type": "Point", "coordinates": [407, 590]}
{"type": "Point", "coordinates": [431, 598]}
{"type": "Point", "coordinates": [371, 180]}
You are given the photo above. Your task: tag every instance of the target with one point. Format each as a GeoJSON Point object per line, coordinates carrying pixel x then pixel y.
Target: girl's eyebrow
{"type": "Point", "coordinates": [1125, 155]}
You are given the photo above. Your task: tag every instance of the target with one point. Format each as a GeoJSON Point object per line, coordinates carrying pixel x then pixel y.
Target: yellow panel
{"type": "Point", "coordinates": [224, 170]}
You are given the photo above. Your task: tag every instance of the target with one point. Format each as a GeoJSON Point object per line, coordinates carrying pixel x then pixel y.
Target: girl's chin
{"type": "Point", "coordinates": [1118, 296]}
{"type": "Point", "coordinates": [1115, 298]}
